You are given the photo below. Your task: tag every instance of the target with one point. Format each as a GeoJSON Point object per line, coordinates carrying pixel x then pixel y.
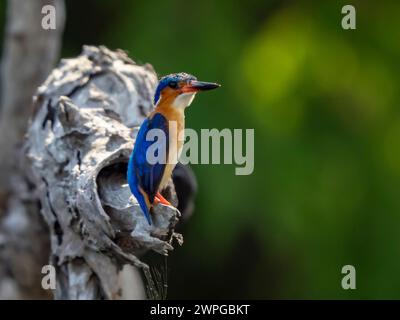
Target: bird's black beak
{"type": "Point", "coordinates": [195, 86]}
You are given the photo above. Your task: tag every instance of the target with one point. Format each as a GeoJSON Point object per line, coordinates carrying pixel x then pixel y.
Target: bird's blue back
{"type": "Point", "coordinates": [141, 173]}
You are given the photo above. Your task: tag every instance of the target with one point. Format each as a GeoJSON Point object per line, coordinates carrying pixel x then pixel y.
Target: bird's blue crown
{"type": "Point", "coordinates": [170, 80]}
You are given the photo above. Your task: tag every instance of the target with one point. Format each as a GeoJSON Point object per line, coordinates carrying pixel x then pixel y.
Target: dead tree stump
{"type": "Point", "coordinates": [86, 116]}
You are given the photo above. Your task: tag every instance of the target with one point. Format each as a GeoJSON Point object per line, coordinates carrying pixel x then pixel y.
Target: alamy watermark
{"type": "Point", "coordinates": [49, 278]}
{"type": "Point", "coordinates": [237, 146]}
{"type": "Point", "coordinates": [49, 17]}
{"type": "Point", "coordinates": [349, 280]}
{"type": "Point", "coordinates": [349, 20]}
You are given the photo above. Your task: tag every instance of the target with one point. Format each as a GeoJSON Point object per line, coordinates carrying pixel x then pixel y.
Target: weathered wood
{"type": "Point", "coordinates": [78, 145]}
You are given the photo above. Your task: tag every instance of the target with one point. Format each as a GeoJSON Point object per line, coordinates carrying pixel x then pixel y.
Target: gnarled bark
{"type": "Point", "coordinates": [78, 146]}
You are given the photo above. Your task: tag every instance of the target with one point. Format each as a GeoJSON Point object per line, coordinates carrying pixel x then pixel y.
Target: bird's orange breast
{"type": "Point", "coordinates": [176, 121]}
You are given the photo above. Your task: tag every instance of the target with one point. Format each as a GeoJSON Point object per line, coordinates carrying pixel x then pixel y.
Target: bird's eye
{"type": "Point", "coordinates": [173, 84]}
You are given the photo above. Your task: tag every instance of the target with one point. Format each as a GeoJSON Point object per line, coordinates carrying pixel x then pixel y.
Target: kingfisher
{"type": "Point", "coordinates": [146, 179]}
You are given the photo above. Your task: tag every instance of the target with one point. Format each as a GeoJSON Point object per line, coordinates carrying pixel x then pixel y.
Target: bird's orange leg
{"type": "Point", "coordinates": [160, 199]}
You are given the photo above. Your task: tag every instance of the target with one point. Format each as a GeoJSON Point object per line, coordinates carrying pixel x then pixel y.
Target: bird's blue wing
{"type": "Point", "coordinates": [141, 173]}
{"type": "Point", "coordinates": [150, 174]}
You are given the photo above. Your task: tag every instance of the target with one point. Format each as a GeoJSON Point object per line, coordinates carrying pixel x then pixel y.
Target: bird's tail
{"type": "Point", "coordinates": [146, 205]}
{"type": "Point", "coordinates": [147, 212]}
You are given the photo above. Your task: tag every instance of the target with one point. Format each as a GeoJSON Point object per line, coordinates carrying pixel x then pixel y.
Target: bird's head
{"type": "Point", "coordinates": [179, 89]}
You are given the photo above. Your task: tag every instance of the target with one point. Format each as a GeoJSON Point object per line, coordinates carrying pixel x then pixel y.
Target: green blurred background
{"type": "Point", "coordinates": [324, 103]}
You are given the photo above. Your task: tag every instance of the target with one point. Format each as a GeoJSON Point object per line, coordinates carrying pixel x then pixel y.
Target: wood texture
{"type": "Point", "coordinates": [78, 146]}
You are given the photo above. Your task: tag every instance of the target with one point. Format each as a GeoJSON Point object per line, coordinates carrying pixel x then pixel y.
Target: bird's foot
{"type": "Point", "coordinates": [160, 199]}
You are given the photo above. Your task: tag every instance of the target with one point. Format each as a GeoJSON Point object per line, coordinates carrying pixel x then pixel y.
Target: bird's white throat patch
{"type": "Point", "coordinates": [184, 100]}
